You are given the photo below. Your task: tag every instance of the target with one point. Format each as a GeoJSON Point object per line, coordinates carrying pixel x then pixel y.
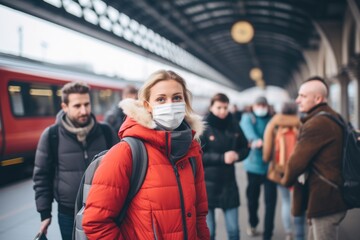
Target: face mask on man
{"type": "Point", "coordinates": [169, 115]}
{"type": "Point", "coordinates": [260, 112]}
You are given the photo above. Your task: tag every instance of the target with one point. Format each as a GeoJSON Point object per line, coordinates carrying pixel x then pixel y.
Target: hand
{"type": "Point", "coordinates": [44, 225]}
{"type": "Point", "coordinates": [257, 144]}
{"type": "Point", "coordinates": [230, 157]}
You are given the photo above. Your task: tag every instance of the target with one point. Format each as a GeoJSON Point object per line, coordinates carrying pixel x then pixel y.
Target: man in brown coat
{"type": "Point", "coordinates": [317, 152]}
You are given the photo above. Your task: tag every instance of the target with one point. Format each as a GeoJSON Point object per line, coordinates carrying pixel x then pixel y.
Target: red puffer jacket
{"type": "Point", "coordinates": [166, 206]}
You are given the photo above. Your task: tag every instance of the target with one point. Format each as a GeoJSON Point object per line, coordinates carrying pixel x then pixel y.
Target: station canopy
{"type": "Point", "coordinates": [223, 41]}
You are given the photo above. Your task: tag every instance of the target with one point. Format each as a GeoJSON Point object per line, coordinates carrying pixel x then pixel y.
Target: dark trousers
{"type": "Point", "coordinates": [66, 223]}
{"type": "Point", "coordinates": [253, 192]}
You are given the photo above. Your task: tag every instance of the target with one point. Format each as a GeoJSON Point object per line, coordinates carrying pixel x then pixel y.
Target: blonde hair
{"type": "Point", "coordinates": [165, 75]}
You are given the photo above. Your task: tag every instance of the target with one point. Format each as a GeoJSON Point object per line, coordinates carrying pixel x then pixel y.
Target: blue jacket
{"type": "Point", "coordinates": [254, 128]}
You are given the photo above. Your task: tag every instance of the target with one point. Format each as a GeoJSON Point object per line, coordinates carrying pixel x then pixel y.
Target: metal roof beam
{"type": "Point", "coordinates": [199, 49]}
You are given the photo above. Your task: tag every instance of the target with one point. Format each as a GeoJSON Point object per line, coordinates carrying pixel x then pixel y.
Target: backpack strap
{"type": "Point", "coordinates": [193, 165]}
{"type": "Point", "coordinates": [337, 120]}
{"type": "Point", "coordinates": [325, 179]}
{"type": "Point", "coordinates": [54, 143]}
{"type": "Point", "coordinates": [253, 123]}
{"type": "Point", "coordinates": [107, 134]}
{"type": "Point", "coordinates": [139, 169]}
{"type": "Point", "coordinates": [282, 146]}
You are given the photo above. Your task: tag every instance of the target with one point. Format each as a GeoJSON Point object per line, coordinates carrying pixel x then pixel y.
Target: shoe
{"type": "Point", "coordinates": [251, 231]}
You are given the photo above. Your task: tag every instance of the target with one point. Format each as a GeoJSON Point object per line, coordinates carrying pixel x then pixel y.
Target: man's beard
{"type": "Point", "coordinates": [81, 124]}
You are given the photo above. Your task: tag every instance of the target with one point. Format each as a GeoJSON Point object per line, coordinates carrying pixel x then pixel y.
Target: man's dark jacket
{"type": "Point", "coordinates": [319, 147]}
{"type": "Point", "coordinates": [61, 179]}
{"type": "Point", "coordinates": [220, 136]}
{"type": "Point", "coordinates": [115, 118]}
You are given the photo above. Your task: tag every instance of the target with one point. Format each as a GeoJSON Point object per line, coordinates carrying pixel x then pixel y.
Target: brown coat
{"type": "Point", "coordinates": [319, 147]}
{"type": "Point", "coordinates": [269, 135]}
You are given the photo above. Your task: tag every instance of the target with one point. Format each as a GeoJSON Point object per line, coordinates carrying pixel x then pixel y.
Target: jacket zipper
{"type": "Point", "coordinates": [179, 187]}
{"type": "Point", "coordinates": [86, 155]}
{"type": "Point", "coordinates": [154, 228]}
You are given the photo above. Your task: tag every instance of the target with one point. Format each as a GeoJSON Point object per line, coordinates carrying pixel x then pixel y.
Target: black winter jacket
{"type": "Point", "coordinates": [220, 136]}
{"type": "Point", "coordinates": [61, 179]}
{"type": "Point", "coordinates": [115, 118]}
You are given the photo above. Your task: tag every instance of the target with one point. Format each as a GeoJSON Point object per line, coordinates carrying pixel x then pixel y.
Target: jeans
{"type": "Point", "coordinates": [325, 228]}
{"type": "Point", "coordinates": [299, 222]}
{"type": "Point", "coordinates": [253, 193]}
{"type": "Point", "coordinates": [66, 223]}
{"type": "Point", "coordinates": [231, 222]}
{"type": "Point", "coordinates": [285, 209]}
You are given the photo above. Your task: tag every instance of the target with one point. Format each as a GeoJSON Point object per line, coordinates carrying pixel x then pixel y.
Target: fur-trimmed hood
{"type": "Point", "coordinates": [136, 112]}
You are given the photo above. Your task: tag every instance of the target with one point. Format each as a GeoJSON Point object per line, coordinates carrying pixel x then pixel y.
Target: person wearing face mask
{"type": "Point", "coordinates": [224, 144]}
{"type": "Point", "coordinates": [253, 124]}
{"type": "Point", "coordinates": [172, 201]}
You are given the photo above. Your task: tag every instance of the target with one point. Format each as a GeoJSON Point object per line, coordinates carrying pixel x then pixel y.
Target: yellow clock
{"type": "Point", "coordinates": [242, 32]}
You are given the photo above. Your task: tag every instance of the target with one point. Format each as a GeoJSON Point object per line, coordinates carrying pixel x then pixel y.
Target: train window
{"type": "Point", "coordinates": [103, 99]}
{"type": "Point", "coordinates": [17, 103]}
{"type": "Point", "coordinates": [33, 99]}
{"type": "Point", "coordinates": [41, 98]}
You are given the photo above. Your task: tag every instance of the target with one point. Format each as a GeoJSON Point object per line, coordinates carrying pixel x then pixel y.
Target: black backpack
{"type": "Point", "coordinates": [139, 169]}
{"type": "Point", "coordinates": [350, 163]}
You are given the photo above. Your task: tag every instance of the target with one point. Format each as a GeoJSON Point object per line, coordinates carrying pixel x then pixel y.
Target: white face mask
{"type": "Point", "coordinates": [169, 115]}
{"type": "Point", "coordinates": [260, 112]}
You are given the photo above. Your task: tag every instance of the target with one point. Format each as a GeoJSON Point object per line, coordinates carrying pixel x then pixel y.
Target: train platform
{"type": "Point", "coordinates": [19, 219]}
{"type": "Point", "coordinates": [349, 228]}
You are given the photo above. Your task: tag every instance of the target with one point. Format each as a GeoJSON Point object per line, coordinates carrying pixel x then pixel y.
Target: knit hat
{"type": "Point", "coordinates": [261, 100]}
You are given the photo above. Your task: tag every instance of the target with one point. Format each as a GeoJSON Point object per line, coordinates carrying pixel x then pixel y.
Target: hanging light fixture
{"type": "Point", "coordinates": [260, 83]}
{"type": "Point", "coordinates": [242, 32]}
{"type": "Point", "coordinates": [256, 74]}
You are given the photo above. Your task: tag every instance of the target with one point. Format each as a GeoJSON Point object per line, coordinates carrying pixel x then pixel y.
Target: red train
{"type": "Point", "coordinates": [30, 99]}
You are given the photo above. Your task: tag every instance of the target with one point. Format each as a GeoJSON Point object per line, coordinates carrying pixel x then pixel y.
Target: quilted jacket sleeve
{"type": "Point", "coordinates": [210, 157]}
{"type": "Point", "coordinates": [201, 201]}
{"type": "Point", "coordinates": [108, 193]}
{"type": "Point", "coordinates": [43, 177]}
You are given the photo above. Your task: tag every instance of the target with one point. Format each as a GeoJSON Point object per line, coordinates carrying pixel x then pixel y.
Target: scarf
{"type": "Point", "coordinates": [80, 132]}
{"type": "Point", "coordinates": [219, 123]}
{"type": "Point", "coordinates": [181, 139]}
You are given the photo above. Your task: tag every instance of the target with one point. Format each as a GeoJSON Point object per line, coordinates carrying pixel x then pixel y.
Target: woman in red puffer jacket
{"type": "Point", "coordinates": [172, 202]}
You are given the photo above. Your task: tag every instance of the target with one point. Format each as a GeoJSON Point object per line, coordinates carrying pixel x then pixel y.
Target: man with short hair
{"type": "Point", "coordinates": [318, 154]}
{"type": "Point", "coordinates": [115, 116]}
{"type": "Point", "coordinates": [64, 151]}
